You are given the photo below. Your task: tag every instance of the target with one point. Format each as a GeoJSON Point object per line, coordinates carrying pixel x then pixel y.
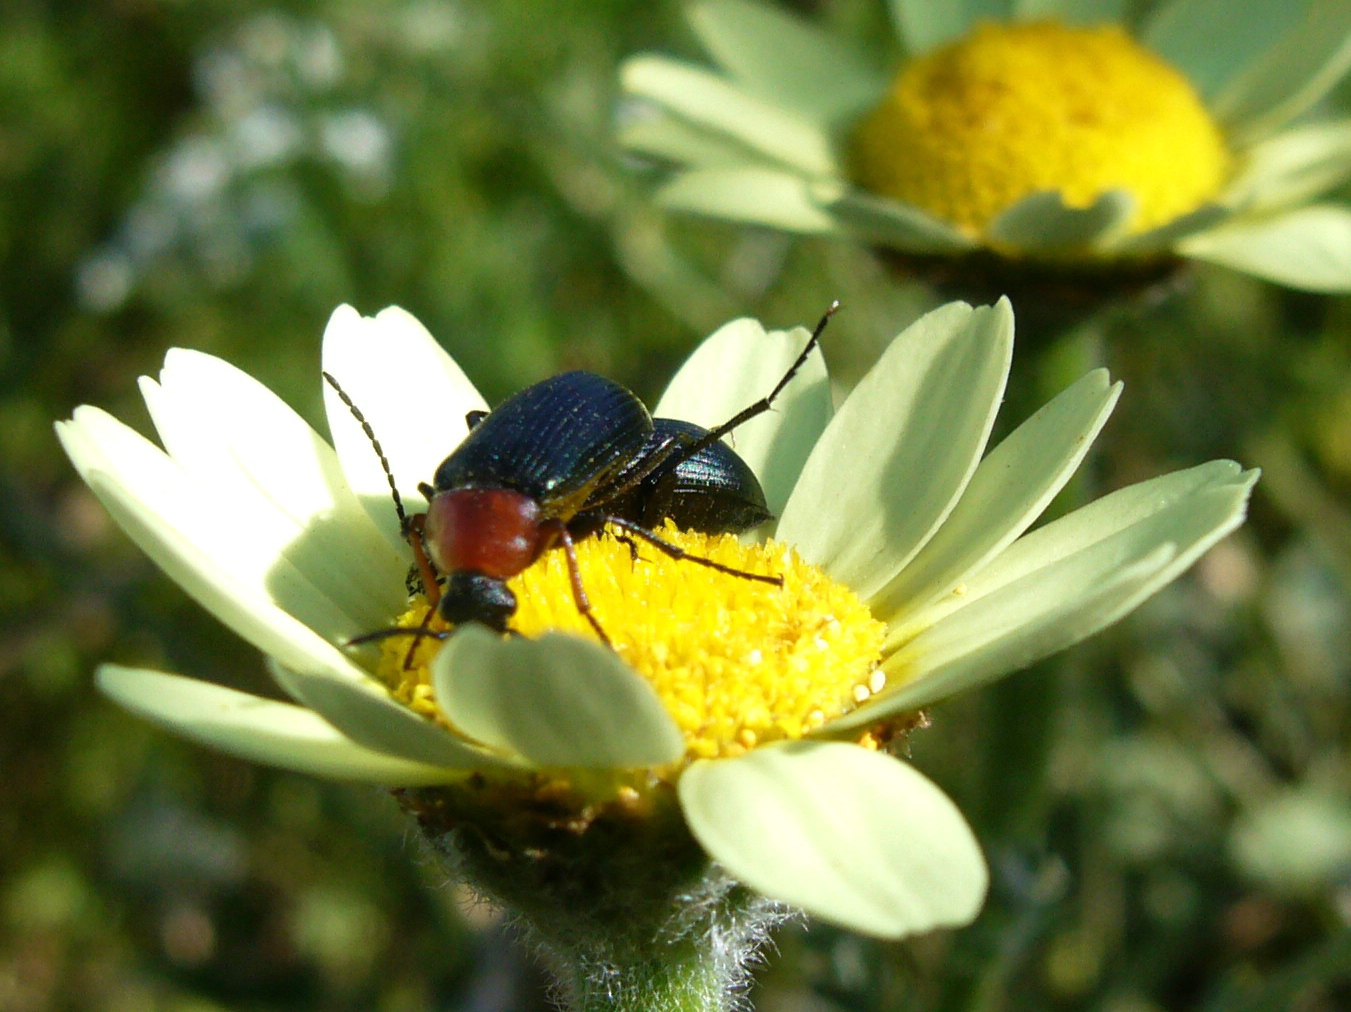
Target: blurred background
{"type": "Point", "coordinates": [1166, 809]}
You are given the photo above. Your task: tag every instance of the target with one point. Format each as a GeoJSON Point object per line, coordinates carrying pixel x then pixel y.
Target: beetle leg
{"type": "Point", "coordinates": [559, 532]}
{"type": "Point", "coordinates": [676, 552]}
{"type": "Point", "coordinates": [426, 572]}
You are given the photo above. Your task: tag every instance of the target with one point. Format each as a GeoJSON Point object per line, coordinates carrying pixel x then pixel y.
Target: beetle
{"type": "Point", "coordinates": [561, 460]}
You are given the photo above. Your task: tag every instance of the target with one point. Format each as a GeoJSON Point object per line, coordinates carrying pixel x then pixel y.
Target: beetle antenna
{"type": "Point", "coordinates": [688, 450]}
{"type": "Point", "coordinates": [379, 450]}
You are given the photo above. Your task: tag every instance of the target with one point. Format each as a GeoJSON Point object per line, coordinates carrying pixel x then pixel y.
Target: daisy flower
{"type": "Point", "coordinates": [755, 717]}
{"type": "Point", "coordinates": [1038, 131]}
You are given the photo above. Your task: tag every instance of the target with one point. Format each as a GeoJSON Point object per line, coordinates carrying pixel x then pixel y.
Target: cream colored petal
{"type": "Point", "coordinates": [1303, 66]}
{"type": "Point", "coordinates": [1308, 248]}
{"type": "Point", "coordinates": [750, 195]}
{"type": "Point", "coordinates": [1059, 585]}
{"type": "Point", "coordinates": [1043, 223]}
{"type": "Point", "coordinates": [1012, 486]}
{"type": "Point", "coordinates": [923, 24]}
{"type": "Point", "coordinates": [894, 460]}
{"type": "Point", "coordinates": [1142, 516]}
{"type": "Point", "coordinates": [558, 701]}
{"type": "Point", "coordinates": [737, 366]}
{"type": "Point", "coordinates": [413, 395]}
{"type": "Point", "coordinates": [657, 134]}
{"type": "Point", "coordinates": [1157, 240]}
{"type": "Point", "coordinates": [855, 837]}
{"type": "Point", "coordinates": [708, 100]}
{"type": "Point", "coordinates": [1213, 41]}
{"type": "Point", "coordinates": [1072, 12]}
{"type": "Point", "coordinates": [231, 571]}
{"type": "Point", "coordinates": [780, 58]}
{"type": "Point", "coordinates": [365, 712]}
{"type": "Point", "coordinates": [283, 482]}
{"type": "Point", "coordinates": [1293, 167]}
{"type": "Point", "coordinates": [888, 222]}
{"type": "Point", "coordinates": [261, 730]}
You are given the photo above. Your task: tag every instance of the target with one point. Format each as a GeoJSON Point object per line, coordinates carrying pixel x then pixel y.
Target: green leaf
{"type": "Point", "coordinates": [1308, 248]}
{"type": "Point", "coordinates": [558, 701]}
{"type": "Point", "coordinates": [894, 460]}
{"type": "Point", "coordinates": [782, 59]}
{"type": "Point", "coordinates": [257, 729]}
{"type": "Point", "coordinates": [855, 837]}
{"type": "Point", "coordinates": [1043, 223]}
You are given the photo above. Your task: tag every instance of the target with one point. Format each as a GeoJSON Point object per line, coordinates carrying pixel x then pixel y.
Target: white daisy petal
{"type": "Point", "coordinates": [239, 439]}
{"type": "Point", "coordinates": [1212, 41]}
{"type": "Point", "coordinates": [1012, 486]}
{"type": "Point", "coordinates": [894, 460]}
{"type": "Point", "coordinates": [1163, 238]}
{"type": "Point", "coordinates": [781, 58]}
{"type": "Point", "coordinates": [749, 194]}
{"type": "Point", "coordinates": [890, 222]}
{"type": "Point", "coordinates": [1308, 247]}
{"type": "Point", "coordinates": [364, 711]}
{"type": "Point", "coordinates": [257, 729]}
{"type": "Point", "coordinates": [1294, 167]}
{"type": "Point", "coordinates": [413, 395]}
{"type": "Point", "coordinates": [559, 701]}
{"type": "Point", "coordinates": [1043, 223]}
{"type": "Point", "coordinates": [1141, 511]}
{"type": "Point", "coordinates": [673, 140]}
{"type": "Point", "coordinates": [194, 538]}
{"type": "Point", "coordinates": [705, 99]}
{"type": "Point", "coordinates": [855, 837]}
{"type": "Point", "coordinates": [1076, 576]}
{"type": "Point", "coordinates": [737, 366]}
{"type": "Point", "coordinates": [923, 24]}
{"type": "Point", "coordinates": [1291, 76]}
{"type": "Point", "coordinates": [1015, 627]}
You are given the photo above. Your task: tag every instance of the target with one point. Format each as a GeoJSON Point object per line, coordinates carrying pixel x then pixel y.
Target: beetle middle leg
{"type": "Point", "coordinates": [678, 553]}
{"type": "Point", "coordinates": [563, 536]}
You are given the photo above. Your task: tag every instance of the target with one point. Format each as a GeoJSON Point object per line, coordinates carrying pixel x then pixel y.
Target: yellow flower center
{"type": "Point", "coordinates": [971, 128]}
{"type": "Point", "coordinates": [737, 662]}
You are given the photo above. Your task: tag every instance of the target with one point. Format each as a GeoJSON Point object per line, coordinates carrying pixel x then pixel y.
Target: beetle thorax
{"type": "Point", "coordinates": [495, 531]}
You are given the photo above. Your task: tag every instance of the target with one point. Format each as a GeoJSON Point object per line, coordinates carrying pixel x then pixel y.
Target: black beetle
{"type": "Point", "coordinates": [561, 460]}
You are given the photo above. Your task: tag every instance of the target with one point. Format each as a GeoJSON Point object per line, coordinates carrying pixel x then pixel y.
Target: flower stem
{"type": "Point", "coordinates": [625, 905]}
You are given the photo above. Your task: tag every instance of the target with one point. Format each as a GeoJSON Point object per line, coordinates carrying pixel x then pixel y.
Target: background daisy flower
{"type": "Point", "coordinates": [1040, 132]}
{"type": "Point", "coordinates": [892, 501]}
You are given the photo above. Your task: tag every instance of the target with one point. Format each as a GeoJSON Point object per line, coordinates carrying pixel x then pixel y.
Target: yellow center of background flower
{"type": "Point", "coordinates": [737, 662]}
{"type": "Point", "coordinates": [971, 128]}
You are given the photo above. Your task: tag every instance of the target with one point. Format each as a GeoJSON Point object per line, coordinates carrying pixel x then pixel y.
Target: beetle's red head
{"type": "Point", "coordinates": [494, 531]}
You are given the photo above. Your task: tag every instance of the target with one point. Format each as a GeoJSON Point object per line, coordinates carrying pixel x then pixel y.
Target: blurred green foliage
{"type": "Point", "coordinates": [1166, 810]}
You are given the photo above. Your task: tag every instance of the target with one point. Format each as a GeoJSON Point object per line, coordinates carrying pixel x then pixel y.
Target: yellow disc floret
{"type": "Point", "coordinates": [737, 662]}
{"type": "Point", "coordinates": [1013, 109]}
